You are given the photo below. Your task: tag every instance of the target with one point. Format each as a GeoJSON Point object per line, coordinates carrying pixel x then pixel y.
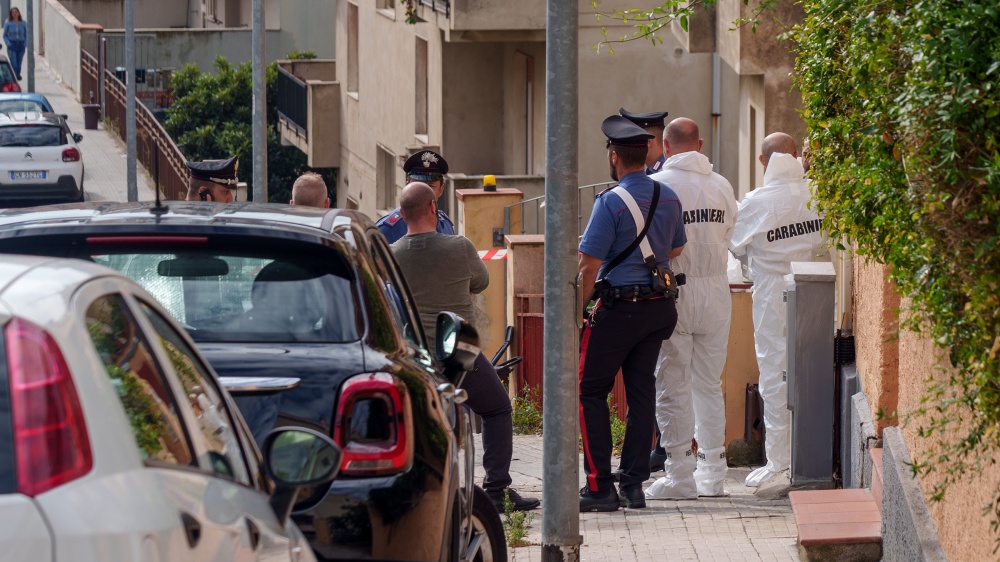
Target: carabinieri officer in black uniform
{"type": "Point", "coordinates": [632, 316]}
{"type": "Point", "coordinates": [654, 125]}
{"type": "Point", "coordinates": [429, 167]}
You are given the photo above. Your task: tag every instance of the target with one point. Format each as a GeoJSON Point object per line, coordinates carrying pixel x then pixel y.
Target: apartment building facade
{"type": "Point", "coordinates": [468, 79]}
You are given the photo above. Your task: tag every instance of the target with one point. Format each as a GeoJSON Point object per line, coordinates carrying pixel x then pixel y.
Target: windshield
{"type": "Point", "coordinates": [247, 298]}
{"type": "Point", "coordinates": [11, 106]}
{"type": "Point", "coordinates": [32, 135]}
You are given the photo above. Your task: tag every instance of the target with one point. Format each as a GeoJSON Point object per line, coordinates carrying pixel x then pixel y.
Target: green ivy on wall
{"type": "Point", "coordinates": [902, 105]}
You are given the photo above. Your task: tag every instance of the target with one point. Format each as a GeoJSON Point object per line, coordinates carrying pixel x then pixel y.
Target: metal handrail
{"type": "Point", "coordinates": [157, 151]}
{"type": "Point", "coordinates": [293, 100]}
{"type": "Point", "coordinates": [539, 203]}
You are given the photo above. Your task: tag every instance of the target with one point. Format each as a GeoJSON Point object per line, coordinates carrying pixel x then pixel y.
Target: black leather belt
{"type": "Point", "coordinates": [630, 293]}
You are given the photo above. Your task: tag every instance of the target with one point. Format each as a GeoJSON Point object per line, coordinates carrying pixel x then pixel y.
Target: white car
{"type": "Point", "coordinates": [40, 160]}
{"type": "Point", "coordinates": [117, 442]}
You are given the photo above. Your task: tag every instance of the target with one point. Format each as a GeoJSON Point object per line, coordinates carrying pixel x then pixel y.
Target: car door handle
{"type": "Point", "coordinates": [192, 528]}
{"type": "Point", "coordinates": [254, 534]}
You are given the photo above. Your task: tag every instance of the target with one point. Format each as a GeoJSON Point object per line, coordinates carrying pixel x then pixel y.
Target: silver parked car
{"type": "Point", "coordinates": [117, 441]}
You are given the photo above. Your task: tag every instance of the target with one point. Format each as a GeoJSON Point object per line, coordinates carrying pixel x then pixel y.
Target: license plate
{"type": "Point", "coordinates": [35, 175]}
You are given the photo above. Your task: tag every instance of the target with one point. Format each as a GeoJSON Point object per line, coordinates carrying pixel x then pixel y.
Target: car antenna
{"type": "Point", "coordinates": [158, 209]}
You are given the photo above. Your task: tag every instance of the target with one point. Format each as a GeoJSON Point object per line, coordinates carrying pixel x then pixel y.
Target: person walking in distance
{"type": "Point", "coordinates": [689, 399]}
{"type": "Point", "coordinates": [443, 271]}
{"type": "Point", "coordinates": [15, 35]}
{"type": "Point", "coordinates": [775, 227]}
{"type": "Point", "coordinates": [634, 231]}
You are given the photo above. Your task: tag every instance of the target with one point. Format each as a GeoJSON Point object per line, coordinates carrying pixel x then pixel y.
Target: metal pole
{"type": "Point", "coordinates": [259, 106]}
{"type": "Point", "coordinates": [30, 47]}
{"type": "Point", "coordinates": [561, 422]}
{"type": "Point", "coordinates": [130, 142]}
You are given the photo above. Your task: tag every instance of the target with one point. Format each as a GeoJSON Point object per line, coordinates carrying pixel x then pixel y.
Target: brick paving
{"type": "Point", "coordinates": [104, 153]}
{"type": "Point", "coordinates": [739, 527]}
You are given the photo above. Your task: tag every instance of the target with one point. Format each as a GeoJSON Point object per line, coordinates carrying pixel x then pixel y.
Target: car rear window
{"type": "Point", "coordinates": [245, 297]}
{"type": "Point", "coordinates": [32, 135]}
{"type": "Point", "coordinates": [10, 106]}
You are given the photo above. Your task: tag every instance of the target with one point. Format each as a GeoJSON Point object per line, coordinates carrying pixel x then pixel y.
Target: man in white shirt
{"type": "Point", "coordinates": [688, 378]}
{"type": "Point", "coordinates": [775, 228]}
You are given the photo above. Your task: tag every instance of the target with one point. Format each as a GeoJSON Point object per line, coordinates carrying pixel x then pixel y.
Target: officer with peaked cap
{"type": "Point", "coordinates": [212, 180]}
{"type": "Point", "coordinates": [632, 315]}
{"type": "Point", "coordinates": [424, 166]}
{"type": "Point", "coordinates": [653, 124]}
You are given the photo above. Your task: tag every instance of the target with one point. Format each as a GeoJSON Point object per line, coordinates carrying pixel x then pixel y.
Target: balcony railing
{"type": "Point", "coordinates": [441, 6]}
{"type": "Point", "coordinates": [293, 100]}
{"type": "Point", "coordinates": [309, 109]}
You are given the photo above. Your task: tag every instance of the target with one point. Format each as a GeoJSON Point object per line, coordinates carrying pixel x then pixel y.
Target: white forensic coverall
{"type": "Point", "coordinates": [688, 375]}
{"type": "Point", "coordinates": [775, 227]}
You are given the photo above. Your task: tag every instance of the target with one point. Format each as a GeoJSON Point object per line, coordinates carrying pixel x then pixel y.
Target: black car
{"type": "Point", "coordinates": [316, 294]}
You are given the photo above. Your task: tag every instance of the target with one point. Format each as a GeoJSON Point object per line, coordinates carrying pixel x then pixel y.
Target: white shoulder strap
{"type": "Point", "coordinates": [633, 208]}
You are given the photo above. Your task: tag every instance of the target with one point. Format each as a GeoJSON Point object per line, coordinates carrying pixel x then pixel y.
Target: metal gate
{"type": "Point", "coordinates": [529, 319]}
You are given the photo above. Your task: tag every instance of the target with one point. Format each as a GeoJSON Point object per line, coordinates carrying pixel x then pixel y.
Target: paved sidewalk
{"type": "Point", "coordinates": [104, 153]}
{"type": "Point", "coordinates": [740, 527]}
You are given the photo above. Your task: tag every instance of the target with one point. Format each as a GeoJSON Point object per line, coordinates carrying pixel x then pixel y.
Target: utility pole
{"type": "Point", "coordinates": [560, 452]}
{"type": "Point", "coordinates": [259, 105]}
{"type": "Point", "coordinates": [133, 188]}
{"type": "Point", "coordinates": [30, 47]}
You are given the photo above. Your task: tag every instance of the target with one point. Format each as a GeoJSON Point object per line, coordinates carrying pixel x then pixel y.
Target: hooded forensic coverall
{"type": "Point", "coordinates": [775, 227]}
{"type": "Point", "coordinates": [688, 376]}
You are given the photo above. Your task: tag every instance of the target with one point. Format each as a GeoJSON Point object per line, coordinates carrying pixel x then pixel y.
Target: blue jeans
{"type": "Point", "coordinates": [16, 55]}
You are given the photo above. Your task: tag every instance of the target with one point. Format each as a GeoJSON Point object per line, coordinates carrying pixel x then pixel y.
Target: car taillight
{"type": "Point", "coordinates": [10, 87]}
{"type": "Point", "coordinates": [71, 155]}
{"type": "Point", "coordinates": [50, 436]}
{"type": "Point", "coordinates": [374, 426]}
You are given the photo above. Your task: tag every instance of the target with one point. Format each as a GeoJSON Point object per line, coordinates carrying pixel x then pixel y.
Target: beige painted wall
{"type": "Point", "coordinates": [964, 531]}
{"type": "Point", "coordinates": [62, 43]}
{"type": "Point", "coordinates": [894, 367]}
{"type": "Point", "coordinates": [148, 13]}
{"type": "Point", "coordinates": [876, 339]}
{"type": "Point", "coordinates": [477, 96]}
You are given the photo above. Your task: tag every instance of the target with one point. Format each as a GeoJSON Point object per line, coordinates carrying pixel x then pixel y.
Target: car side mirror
{"type": "Point", "coordinates": [457, 345]}
{"type": "Point", "coordinates": [294, 458]}
{"type": "Point", "coordinates": [77, 137]}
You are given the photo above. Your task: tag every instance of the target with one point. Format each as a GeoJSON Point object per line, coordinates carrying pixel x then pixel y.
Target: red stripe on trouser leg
{"type": "Point", "coordinates": [592, 469]}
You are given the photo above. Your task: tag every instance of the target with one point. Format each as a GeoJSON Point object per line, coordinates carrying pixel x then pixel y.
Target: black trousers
{"type": "Point", "coordinates": [626, 336]}
{"type": "Point", "coordinates": [488, 398]}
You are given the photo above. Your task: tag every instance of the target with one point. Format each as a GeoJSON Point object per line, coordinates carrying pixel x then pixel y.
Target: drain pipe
{"type": "Point", "coordinates": [716, 108]}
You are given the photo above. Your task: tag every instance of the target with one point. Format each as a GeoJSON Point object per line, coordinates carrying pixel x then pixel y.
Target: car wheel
{"type": "Point", "coordinates": [486, 522]}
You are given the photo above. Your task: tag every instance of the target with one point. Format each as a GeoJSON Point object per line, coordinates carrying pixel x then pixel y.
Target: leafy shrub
{"type": "Point", "coordinates": [526, 414]}
{"type": "Point", "coordinates": [211, 118]}
{"type": "Point", "coordinates": [902, 101]}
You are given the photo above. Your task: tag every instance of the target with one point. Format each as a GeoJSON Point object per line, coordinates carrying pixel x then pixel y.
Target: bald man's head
{"type": "Point", "coordinates": [310, 190]}
{"type": "Point", "coordinates": [681, 135]}
{"type": "Point", "coordinates": [777, 142]}
{"type": "Point", "coordinates": [415, 202]}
